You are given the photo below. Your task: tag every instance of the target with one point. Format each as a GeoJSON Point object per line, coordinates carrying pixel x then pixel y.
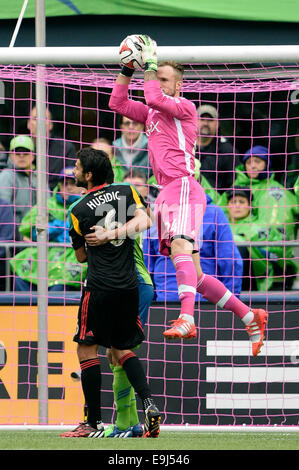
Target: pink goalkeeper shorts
{"type": "Point", "coordinates": [179, 209]}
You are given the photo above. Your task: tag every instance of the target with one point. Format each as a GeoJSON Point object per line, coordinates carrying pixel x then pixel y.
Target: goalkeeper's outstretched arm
{"type": "Point", "coordinates": [124, 76]}
{"type": "Point", "coordinates": [149, 58]}
{"type": "Point", "coordinates": [119, 100]}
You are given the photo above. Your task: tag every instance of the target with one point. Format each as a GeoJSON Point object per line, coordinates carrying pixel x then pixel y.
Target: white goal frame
{"type": "Point", "coordinates": [185, 54]}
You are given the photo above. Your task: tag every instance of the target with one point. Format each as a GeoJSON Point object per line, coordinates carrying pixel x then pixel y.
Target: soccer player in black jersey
{"type": "Point", "coordinates": [108, 312]}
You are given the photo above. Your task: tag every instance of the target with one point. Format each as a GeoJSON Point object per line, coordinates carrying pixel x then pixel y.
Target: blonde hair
{"type": "Point", "coordinates": [175, 65]}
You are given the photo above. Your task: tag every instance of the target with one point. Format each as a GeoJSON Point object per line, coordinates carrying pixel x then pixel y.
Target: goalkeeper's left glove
{"type": "Point", "coordinates": [149, 53]}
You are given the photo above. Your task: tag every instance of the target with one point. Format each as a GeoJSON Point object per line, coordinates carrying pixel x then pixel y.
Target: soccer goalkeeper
{"type": "Point", "coordinates": [171, 129]}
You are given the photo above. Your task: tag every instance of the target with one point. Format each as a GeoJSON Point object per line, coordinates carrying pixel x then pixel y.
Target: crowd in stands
{"type": "Point", "coordinates": [64, 273]}
{"type": "Point", "coordinates": [246, 203]}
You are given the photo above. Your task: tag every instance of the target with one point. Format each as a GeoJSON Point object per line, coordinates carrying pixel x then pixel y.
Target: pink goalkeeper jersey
{"type": "Point", "coordinates": [170, 125]}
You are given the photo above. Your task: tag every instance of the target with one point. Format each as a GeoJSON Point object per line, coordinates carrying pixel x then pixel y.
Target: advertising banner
{"type": "Point", "coordinates": [212, 379]}
{"type": "Point", "coordinates": [256, 10]}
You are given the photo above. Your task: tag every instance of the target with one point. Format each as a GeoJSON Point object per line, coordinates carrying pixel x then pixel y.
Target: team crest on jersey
{"type": "Point", "coordinates": [276, 193]}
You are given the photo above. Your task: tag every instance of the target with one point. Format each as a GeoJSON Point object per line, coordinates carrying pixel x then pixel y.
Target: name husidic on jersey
{"type": "Point", "coordinates": [103, 199]}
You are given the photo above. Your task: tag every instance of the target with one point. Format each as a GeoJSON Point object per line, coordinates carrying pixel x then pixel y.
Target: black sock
{"type": "Point", "coordinates": [91, 386]}
{"type": "Point", "coordinates": [134, 370]}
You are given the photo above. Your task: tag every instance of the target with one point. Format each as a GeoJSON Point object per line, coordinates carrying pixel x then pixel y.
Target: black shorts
{"type": "Point", "coordinates": [109, 318]}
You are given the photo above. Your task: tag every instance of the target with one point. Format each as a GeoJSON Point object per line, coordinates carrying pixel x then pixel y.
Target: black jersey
{"type": "Point", "coordinates": [110, 266]}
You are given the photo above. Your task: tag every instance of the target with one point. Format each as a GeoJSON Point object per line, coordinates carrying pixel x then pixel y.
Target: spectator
{"type": "Point", "coordinates": [104, 144]}
{"type": "Point", "coordinates": [219, 256]}
{"type": "Point", "coordinates": [208, 189]}
{"type": "Point", "coordinates": [64, 272]}
{"type": "Point", "coordinates": [291, 160]}
{"type": "Point", "coordinates": [137, 178]}
{"type": "Point", "coordinates": [216, 154]}
{"type": "Point", "coordinates": [6, 235]}
{"type": "Point", "coordinates": [61, 153]}
{"type": "Point", "coordinates": [3, 157]}
{"type": "Point", "coordinates": [273, 204]}
{"type": "Point", "coordinates": [262, 266]}
{"type": "Point", "coordinates": [131, 147]}
{"type": "Point", "coordinates": [296, 188]}
{"type": "Point", "coordinates": [18, 180]}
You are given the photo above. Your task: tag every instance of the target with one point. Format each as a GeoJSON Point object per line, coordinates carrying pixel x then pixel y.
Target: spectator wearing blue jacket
{"type": "Point", "coordinates": [219, 256]}
{"type": "Point", "coordinates": [7, 231]}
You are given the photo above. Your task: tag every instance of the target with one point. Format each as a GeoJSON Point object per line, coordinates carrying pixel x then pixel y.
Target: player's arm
{"type": "Point", "coordinates": [81, 254]}
{"type": "Point", "coordinates": [177, 107]}
{"type": "Point", "coordinates": [150, 214]}
{"type": "Point", "coordinates": [140, 222]}
{"type": "Point", "coordinates": [155, 98]}
{"type": "Point", "coordinates": [77, 239]}
{"type": "Point", "coordinates": [119, 100]}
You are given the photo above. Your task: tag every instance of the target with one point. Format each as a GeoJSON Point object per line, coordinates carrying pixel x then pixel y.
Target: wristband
{"type": "Point", "coordinates": [151, 66]}
{"type": "Point", "coordinates": [127, 71]}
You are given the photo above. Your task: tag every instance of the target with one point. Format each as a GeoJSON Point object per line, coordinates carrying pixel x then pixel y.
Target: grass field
{"type": "Point", "coordinates": [168, 440]}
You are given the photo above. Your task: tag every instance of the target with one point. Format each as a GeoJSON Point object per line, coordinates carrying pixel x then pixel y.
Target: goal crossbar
{"type": "Point", "coordinates": [110, 55]}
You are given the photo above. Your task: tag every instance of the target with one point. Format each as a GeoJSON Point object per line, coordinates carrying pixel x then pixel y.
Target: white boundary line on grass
{"type": "Point", "coordinates": [165, 427]}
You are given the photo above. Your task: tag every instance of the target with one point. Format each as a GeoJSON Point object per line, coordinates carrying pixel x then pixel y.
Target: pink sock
{"type": "Point", "coordinates": [216, 292]}
{"type": "Point", "coordinates": [186, 279]}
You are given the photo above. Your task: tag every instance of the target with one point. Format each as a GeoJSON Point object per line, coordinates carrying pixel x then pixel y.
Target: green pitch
{"type": "Point", "coordinates": [174, 440]}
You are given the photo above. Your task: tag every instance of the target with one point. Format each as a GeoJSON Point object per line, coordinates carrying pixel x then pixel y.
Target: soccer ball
{"type": "Point", "coordinates": [130, 52]}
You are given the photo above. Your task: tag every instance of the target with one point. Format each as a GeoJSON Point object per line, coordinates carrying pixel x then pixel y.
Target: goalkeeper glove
{"type": "Point", "coordinates": [149, 53]}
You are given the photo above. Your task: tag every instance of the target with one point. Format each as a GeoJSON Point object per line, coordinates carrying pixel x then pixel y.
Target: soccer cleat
{"type": "Point", "coordinates": [257, 328]}
{"type": "Point", "coordinates": [137, 430]}
{"type": "Point", "coordinates": [152, 422]}
{"type": "Point", "coordinates": [85, 430]}
{"type": "Point", "coordinates": [181, 329]}
{"type": "Point", "coordinates": [99, 432]}
{"type": "Point", "coordinates": [113, 431]}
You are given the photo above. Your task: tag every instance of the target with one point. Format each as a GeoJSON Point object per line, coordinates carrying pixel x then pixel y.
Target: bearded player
{"type": "Point", "coordinates": [171, 129]}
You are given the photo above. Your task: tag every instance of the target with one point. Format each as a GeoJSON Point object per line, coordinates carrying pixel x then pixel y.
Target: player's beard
{"type": "Point", "coordinates": [172, 93]}
{"type": "Point", "coordinates": [81, 184]}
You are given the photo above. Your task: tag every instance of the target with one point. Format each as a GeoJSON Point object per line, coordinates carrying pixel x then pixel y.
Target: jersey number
{"type": "Point", "coordinates": [111, 224]}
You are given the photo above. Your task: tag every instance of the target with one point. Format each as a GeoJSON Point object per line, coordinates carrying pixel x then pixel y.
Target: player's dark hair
{"type": "Point", "coordinates": [96, 162]}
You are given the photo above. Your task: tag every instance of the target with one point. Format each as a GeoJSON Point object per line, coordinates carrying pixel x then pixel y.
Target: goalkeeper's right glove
{"type": "Point", "coordinates": [149, 53]}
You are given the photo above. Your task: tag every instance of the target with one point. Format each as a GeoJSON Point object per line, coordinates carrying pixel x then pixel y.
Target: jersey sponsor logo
{"type": "Point", "coordinates": [150, 128]}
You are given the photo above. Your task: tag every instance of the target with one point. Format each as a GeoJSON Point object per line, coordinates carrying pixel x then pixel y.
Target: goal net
{"type": "Point", "coordinates": [212, 380]}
